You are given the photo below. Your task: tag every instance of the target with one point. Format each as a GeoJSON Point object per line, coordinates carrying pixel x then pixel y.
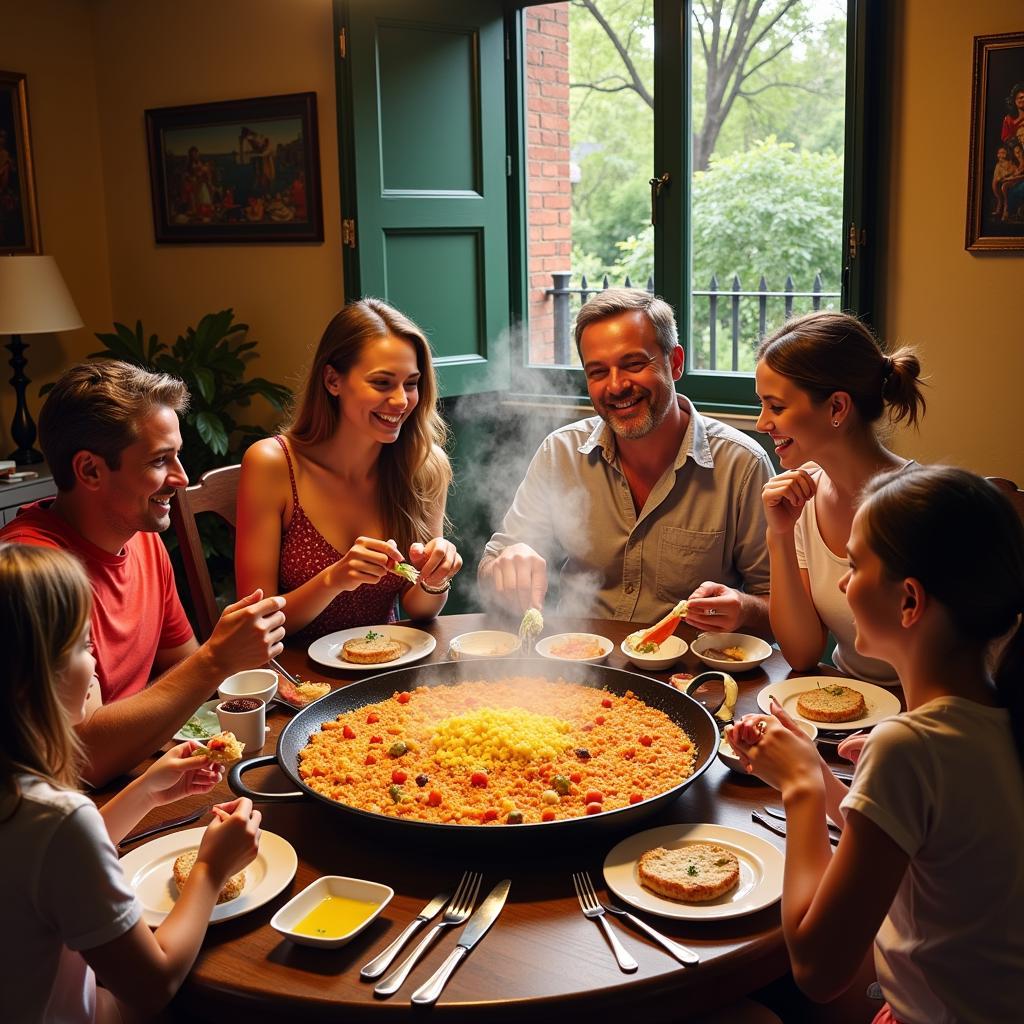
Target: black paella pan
{"type": "Point", "coordinates": [684, 711]}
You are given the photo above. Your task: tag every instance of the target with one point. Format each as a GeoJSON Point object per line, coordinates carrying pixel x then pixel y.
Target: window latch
{"type": "Point", "coordinates": [657, 184]}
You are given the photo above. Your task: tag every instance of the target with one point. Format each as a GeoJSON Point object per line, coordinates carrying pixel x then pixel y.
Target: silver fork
{"type": "Point", "coordinates": [591, 907]}
{"type": "Point", "coordinates": [683, 954]}
{"type": "Point", "coordinates": [458, 910]}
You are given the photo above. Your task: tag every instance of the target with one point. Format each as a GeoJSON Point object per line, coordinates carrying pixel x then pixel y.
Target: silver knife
{"type": "Point", "coordinates": [164, 826]}
{"type": "Point", "coordinates": [486, 914]}
{"type": "Point", "coordinates": [778, 813]}
{"type": "Point", "coordinates": [382, 961]}
{"type": "Point", "coordinates": [780, 830]}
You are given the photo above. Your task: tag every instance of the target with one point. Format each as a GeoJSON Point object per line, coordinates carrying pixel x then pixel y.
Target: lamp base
{"type": "Point", "coordinates": [23, 430]}
{"type": "Point", "coordinates": [26, 456]}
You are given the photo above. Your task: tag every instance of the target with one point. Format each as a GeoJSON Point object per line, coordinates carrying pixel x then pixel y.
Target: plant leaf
{"type": "Point", "coordinates": [212, 431]}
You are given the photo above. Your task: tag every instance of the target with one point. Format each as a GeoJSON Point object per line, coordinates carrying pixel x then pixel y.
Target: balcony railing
{"type": "Point", "coordinates": [722, 304]}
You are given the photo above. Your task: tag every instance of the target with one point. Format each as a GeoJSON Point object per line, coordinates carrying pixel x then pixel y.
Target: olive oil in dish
{"type": "Point", "coordinates": [335, 916]}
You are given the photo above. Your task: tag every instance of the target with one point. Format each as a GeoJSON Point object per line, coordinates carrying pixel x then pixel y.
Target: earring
{"type": "Point", "coordinates": [835, 423]}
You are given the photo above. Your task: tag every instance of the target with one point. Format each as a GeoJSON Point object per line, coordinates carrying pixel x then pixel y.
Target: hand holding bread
{"type": "Point", "coordinates": [183, 771]}
{"type": "Point", "coordinates": [231, 840]}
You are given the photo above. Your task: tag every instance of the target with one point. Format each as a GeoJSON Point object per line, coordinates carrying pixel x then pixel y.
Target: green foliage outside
{"type": "Point", "coordinates": [769, 202]}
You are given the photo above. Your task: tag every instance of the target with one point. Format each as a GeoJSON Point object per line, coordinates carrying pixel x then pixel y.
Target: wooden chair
{"type": "Point", "coordinates": [215, 492]}
{"type": "Point", "coordinates": [1011, 490]}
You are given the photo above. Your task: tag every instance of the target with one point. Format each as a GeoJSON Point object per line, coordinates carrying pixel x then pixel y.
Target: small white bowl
{"type": "Point", "coordinates": [755, 649]}
{"type": "Point", "coordinates": [730, 759]}
{"type": "Point", "coordinates": [481, 644]}
{"type": "Point", "coordinates": [285, 920]}
{"type": "Point", "coordinates": [254, 682]}
{"type": "Point", "coordinates": [545, 647]}
{"type": "Point", "coordinates": [667, 654]}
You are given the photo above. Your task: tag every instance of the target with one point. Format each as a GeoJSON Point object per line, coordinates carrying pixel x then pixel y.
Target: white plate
{"type": "Point", "coordinates": [208, 716]}
{"type": "Point", "coordinates": [327, 650]}
{"type": "Point", "coordinates": [543, 647]}
{"type": "Point", "coordinates": [149, 870]}
{"type": "Point", "coordinates": [761, 869]}
{"type": "Point", "coordinates": [881, 703]}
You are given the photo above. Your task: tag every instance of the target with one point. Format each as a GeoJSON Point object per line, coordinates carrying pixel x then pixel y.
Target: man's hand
{"type": "Point", "coordinates": [248, 633]}
{"type": "Point", "coordinates": [715, 608]}
{"type": "Point", "coordinates": [518, 576]}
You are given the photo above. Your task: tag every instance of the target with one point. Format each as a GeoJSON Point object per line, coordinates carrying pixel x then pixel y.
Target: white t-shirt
{"type": "Point", "coordinates": [824, 571]}
{"type": "Point", "coordinates": [62, 891]}
{"type": "Point", "coordinates": [944, 782]}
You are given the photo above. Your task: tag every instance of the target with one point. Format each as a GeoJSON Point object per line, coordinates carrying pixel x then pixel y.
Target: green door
{"type": "Point", "coordinates": [426, 146]}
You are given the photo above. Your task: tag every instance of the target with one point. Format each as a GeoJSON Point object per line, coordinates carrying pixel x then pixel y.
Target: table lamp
{"type": "Point", "coordinates": [33, 300]}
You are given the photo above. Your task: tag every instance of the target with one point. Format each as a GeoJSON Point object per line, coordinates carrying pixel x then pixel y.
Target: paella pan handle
{"type": "Point", "coordinates": [239, 788]}
{"type": "Point", "coordinates": [724, 712]}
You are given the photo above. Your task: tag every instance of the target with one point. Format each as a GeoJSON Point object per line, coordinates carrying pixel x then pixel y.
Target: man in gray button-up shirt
{"type": "Point", "coordinates": [645, 504]}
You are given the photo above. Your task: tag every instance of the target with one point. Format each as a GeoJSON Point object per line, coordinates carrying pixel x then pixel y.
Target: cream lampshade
{"type": "Point", "coordinates": [33, 300]}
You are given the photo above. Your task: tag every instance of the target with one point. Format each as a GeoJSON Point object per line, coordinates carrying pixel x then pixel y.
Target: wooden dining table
{"type": "Point", "coordinates": [542, 960]}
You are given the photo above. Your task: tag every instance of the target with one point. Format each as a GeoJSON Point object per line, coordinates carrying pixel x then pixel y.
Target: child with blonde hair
{"type": "Point", "coordinates": [68, 913]}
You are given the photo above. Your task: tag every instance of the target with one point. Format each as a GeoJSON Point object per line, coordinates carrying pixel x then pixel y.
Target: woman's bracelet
{"type": "Point", "coordinates": [435, 590]}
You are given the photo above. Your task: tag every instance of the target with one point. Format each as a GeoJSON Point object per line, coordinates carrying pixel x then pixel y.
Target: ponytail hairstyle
{"type": "Point", "coordinates": [414, 471]}
{"type": "Point", "coordinates": [909, 516]}
{"type": "Point", "coordinates": [824, 352]}
{"type": "Point", "coordinates": [45, 605]}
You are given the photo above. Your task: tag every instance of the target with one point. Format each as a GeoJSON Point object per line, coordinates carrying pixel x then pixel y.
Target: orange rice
{"type": "Point", "coordinates": [523, 749]}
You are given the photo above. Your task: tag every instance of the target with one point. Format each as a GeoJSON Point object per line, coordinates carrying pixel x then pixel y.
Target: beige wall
{"type": "Point", "coordinates": [51, 41]}
{"type": "Point", "coordinates": [194, 51]}
{"type": "Point", "coordinates": [93, 67]}
{"type": "Point", "coordinates": [958, 307]}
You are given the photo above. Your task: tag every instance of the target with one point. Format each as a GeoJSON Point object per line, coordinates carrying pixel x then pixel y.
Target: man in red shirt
{"type": "Point", "coordinates": [110, 435]}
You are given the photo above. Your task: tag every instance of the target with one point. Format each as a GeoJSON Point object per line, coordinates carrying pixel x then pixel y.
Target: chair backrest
{"type": "Point", "coordinates": [215, 492]}
{"type": "Point", "coordinates": [1011, 490]}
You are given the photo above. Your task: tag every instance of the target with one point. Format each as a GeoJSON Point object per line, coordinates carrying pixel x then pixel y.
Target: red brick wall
{"type": "Point", "coordinates": [549, 201]}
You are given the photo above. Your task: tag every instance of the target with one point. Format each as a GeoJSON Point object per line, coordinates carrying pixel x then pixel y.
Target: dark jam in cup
{"type": "Point", "coordinates": [240, 705]}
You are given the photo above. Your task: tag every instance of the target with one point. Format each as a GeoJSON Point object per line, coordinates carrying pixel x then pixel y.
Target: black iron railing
{"type": "Point", "coordinates": [561, 293]}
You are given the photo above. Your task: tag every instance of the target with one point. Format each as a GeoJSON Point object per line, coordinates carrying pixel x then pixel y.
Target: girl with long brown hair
{"type": "Point", "coordinates": [824, 384]}
{"type": "Point", "coordinates": [928, 867]}
{"type": "Point", "coordinates": [68, 913]}
{"type": "Point", "coordinates": [355, 484]}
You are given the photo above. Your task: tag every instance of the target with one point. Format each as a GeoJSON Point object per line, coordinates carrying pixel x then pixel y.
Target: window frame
{"type": "Point", "coordinates": [725, 391]}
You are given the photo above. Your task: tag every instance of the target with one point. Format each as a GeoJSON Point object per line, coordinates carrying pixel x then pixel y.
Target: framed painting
{"type": "Point", "coordinates": [239, 171]}
{"type": "Point", "coordinates": [19, 217]}
{"type": "Point", "coordinates": [995, 194]}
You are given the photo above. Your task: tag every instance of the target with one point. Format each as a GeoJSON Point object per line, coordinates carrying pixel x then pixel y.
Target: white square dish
{"type": "Point", "coordinates": [289, 916]}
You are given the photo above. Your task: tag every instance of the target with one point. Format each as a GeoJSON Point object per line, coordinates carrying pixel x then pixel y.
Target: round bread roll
{"type": "Point", "coordinates": [372, 651]}
{"type": "Point", "coordinates": [834, 703]}
{"type": "Point", "coordinates": [694, 873]}
{"type": "Point", "coordinates": [183, 868]}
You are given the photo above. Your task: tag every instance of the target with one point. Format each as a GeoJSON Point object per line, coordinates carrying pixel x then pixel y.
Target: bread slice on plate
{"type": "Point", "coordinates": [183, 868]}
{"type": "Point", "coordinates": [373, 649]}
{"type": "Point", "coordinates": [694, 873]}
{"type": "Point", "coordinates": [834, 703]}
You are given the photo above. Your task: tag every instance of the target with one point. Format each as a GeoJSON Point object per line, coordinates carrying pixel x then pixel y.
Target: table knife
{"type": "Point", "coordinates": [780, 814]}
{"type": "Point", "coordinates": [486, 914]}
{"type": "Point", "coordinates": [780, 830]}
{"type": "Point", "coordinates": [382, 961]}
{"type": "Point", "coordinates": [164, 826]}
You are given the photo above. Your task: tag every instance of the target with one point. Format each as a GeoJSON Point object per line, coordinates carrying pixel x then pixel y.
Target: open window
{"type": "Point", "coordinates": [502, 160]}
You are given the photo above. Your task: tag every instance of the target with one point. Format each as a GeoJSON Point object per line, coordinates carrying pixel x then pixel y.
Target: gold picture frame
{"type": "Point", "coordinates": [995, 192]}
{"type": "Point", "coordinates": [19, 215]}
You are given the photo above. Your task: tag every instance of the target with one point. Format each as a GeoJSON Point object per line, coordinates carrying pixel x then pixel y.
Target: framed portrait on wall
{"type": "Point", "coordinates": [19, 217]}
{"type": "Point", "coordinates": [995, 194]}
{"type": "Point", "coordinates": [236, 171]}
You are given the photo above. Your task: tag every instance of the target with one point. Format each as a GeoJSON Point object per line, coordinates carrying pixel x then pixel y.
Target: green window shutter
{"type": "Point", "coordinates": [424, 181]}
